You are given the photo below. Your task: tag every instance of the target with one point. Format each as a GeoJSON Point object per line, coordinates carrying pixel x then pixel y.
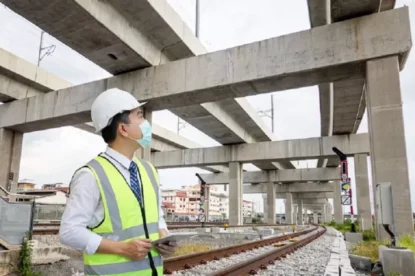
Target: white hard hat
{"type": "Point", "coordinates": [108, 104]}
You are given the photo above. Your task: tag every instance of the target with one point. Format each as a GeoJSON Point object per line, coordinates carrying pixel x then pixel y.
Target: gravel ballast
{"type": "Point", "coordinates": [309, 260]}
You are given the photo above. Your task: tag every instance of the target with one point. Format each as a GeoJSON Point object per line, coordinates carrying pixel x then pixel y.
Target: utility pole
{"type": "Point", "coordinates": [269, 113]}
{"type": "Point", "coordinates": [197, 27]}
{"type": "Point", "coordinates": [49, 49]}
{"type": "Point", "coordinates": [180, 124]}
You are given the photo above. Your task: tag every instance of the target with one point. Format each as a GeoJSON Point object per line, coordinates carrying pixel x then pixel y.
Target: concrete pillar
{"type": "Point", "coordinates": [11, 143]}
{"type": "Point", "coordinates": [323, 214]}
{"type": "Point", "coordinates": [300, 217]}
{"type": "Point", "coordinates": [338, 207]}
{"type": "Point", "coordinates": [362, 192]}
{"type": "Point", "coordinates": [235, 193]}
{"type": "Point", "coordinates": [329, 212]}
{"type": "Point", "coordinates": [289, 208]}
{"type": "Point", "coordinates": [295, 215]}
{"type": "Point", "coordinates": [264, 197]}
{"type": "Point", "coordinates": [387, 138]}
{"type": "Point", "coordinates": [315, 217]}
{"type": "Point", "coordinates": [207, 195]}
{"type": "Point", "coordinates": [271, 193]}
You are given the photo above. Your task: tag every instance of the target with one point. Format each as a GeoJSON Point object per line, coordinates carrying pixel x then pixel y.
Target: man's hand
{"type": "Point", "coordinates": [166, 250]}
{"type": "Point", "coordinates": [136, 249]}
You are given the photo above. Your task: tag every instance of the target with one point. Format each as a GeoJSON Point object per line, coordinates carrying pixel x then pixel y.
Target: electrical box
{"type": "Point", "coordinates": [384, 206]}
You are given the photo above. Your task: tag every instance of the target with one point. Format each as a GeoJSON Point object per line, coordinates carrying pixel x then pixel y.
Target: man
{"type": "Point", "coordinates": [114, 208]}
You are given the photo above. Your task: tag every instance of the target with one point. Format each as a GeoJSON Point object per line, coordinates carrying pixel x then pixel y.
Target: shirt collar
{"type": "Point", "coordinates": [122, 159]}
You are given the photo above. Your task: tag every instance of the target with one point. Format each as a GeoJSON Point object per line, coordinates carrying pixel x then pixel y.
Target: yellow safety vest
{"type": "Point", "coordinates": [124, 219]}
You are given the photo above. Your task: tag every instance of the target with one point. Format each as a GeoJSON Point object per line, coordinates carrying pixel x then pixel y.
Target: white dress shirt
{"type": "Point", "coordinates": [84, 208]}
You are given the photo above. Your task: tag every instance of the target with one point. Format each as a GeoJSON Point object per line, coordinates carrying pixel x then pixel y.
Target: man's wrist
{"type": "Point", "coordinates": [163, 233]}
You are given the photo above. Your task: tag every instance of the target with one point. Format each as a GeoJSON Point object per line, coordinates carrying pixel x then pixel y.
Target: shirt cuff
{"type": "Point", "coordinates": [163, 225]}
{"type": "Point", "coordinates": [93, 244]}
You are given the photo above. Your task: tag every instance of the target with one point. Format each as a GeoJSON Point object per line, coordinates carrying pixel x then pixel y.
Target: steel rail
{"type": "Point", "coordinates": [189, 260]}
{"type": "Point", "coordinates": [252, 265]}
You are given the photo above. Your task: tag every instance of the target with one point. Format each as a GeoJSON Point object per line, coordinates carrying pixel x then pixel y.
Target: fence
{"type": "Point", "coordinates": [15, 221]}
{"type": "Point", "coordinates": [49, 211]}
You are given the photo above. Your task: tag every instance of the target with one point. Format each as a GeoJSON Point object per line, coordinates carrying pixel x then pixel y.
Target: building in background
{"type": "Point", "coordinates": [25, 185]}
{"type": "Point", "coordinates": [183, 204]}
{"type": "Point", "coordinates": [247, 208]}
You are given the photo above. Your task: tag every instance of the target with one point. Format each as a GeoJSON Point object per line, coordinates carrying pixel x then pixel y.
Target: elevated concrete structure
{"type": "Point", "coordinates": [259, 65]}
{"type": "Point", "coordinates": [129, 35]}
{"type": "Point", "coordinates": [342, 103]}
{"type": "Point", "coordinates": [289, 188]}
{"type": "Point", "coordinates": [272, 151]}
{"type": "Point", "coordinates": [166, 140]}
{"type": "Point", "coordinates": [281, 176]}
{"type": "Point", "coordinates": [343, 56]}
{"type": "Point", "coordinates": [313, 197]}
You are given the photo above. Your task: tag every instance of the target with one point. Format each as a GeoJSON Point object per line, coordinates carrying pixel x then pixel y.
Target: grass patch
{"type": "Point", "coordinates": [189, 248]}
{"type": "Point", "coordinates": [368, 249]}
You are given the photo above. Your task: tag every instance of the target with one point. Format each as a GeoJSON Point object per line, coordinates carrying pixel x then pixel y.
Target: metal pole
{"type": "Point", "coordinates": [197, 18]}
{"type": "Point", "coordinates": [272, 112]}
{"type": "Point", "coordinates": [40, 48]}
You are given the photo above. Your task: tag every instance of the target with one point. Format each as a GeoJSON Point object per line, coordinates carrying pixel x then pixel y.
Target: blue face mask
{"type": "Point", "coordinates": [145, 141]}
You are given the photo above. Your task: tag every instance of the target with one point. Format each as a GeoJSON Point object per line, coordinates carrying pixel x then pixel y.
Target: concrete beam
{"type": "Point", "coordinates": [317, 196]}
{"type": "Point", "coordinates": [25, 72]}
{"type": "Point", "coordinates": [121, 35]}
{"type": "Point", "coordinates": [289, 188]}
{"type": "Point", "coordinates": [165, 140]}
{"type": "Point", "coordinates": [266, 151]}
{"type": "Point", "coordinates": [18, 80]}
{"type": "Point", "coordinates": [310, 201]}
{"type": "Point", "coordinates": [127, 35]}
{"type": "Point", "coordinates": [298, 175]}
{"type": "Point", "coordinates": [271, 65]}
{"type": "Point", "coordinates": [341, 115]}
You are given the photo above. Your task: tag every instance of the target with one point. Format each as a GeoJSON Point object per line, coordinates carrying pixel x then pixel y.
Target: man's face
{"type": "Point", "coordinates": [136, 119]}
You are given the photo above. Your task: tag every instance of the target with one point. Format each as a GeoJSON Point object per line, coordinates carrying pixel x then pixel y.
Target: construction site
{"type": "Point", "coordinates": [354, 52]}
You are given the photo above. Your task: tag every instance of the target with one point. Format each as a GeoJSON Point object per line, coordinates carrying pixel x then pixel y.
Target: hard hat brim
{"type": "Point", "coordinates": [109, 122]}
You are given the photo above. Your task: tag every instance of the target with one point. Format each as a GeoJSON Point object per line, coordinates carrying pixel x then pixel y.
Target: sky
{"type": "Point", "coordinates": [53, 155]}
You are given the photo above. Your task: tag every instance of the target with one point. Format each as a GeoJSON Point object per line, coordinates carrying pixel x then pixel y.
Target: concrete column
{"type": "Point", "coordinates": [329, 213]}
{"type": "Point", "coordinates": [315, 217]}
{"type": "Point", "coordinates": [338, 207]}
{"type": "Point", "coordinates": [11, 144]}
{"type": "Point", "coordinates": [207, 195]}
{"type": "Point", "coordinates": [271, 193]}
{"type": "Point", "coordinates": [289, 208]}
{"type": "Point", "coordinates": [295, 215]}
{"type": "Point", "coordinates": [323, 214]}
{"type": "Point", "coordinates": [264, 197]}
{"type": "Point", "coordinates": [146, 153]}
{"type": "Point", "coordinates": [235, 193]}
{"type": "Point", "coordinates": [362, 192]}
{"type": "Point", "coordinates": [300, 217]}
{"type": "Point", "coordinates": [387, 138]}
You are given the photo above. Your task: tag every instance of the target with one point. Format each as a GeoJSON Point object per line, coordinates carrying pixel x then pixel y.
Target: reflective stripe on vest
{"type": "Point", "coordinates": [123, 220]}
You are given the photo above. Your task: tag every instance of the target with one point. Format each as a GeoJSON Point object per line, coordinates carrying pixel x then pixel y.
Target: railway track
{"type": "Point", "coordinates": [53, 228]}
{"type": "Point", "coordinates": [188, 261]}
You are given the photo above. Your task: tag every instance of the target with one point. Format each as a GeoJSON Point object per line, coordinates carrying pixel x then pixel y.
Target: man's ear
{"type": "Point", "coordinates": [122, 130]}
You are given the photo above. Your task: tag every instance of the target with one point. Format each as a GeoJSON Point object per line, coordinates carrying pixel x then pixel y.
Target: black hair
{"type": "Point", "coordinates": [109, 133]}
